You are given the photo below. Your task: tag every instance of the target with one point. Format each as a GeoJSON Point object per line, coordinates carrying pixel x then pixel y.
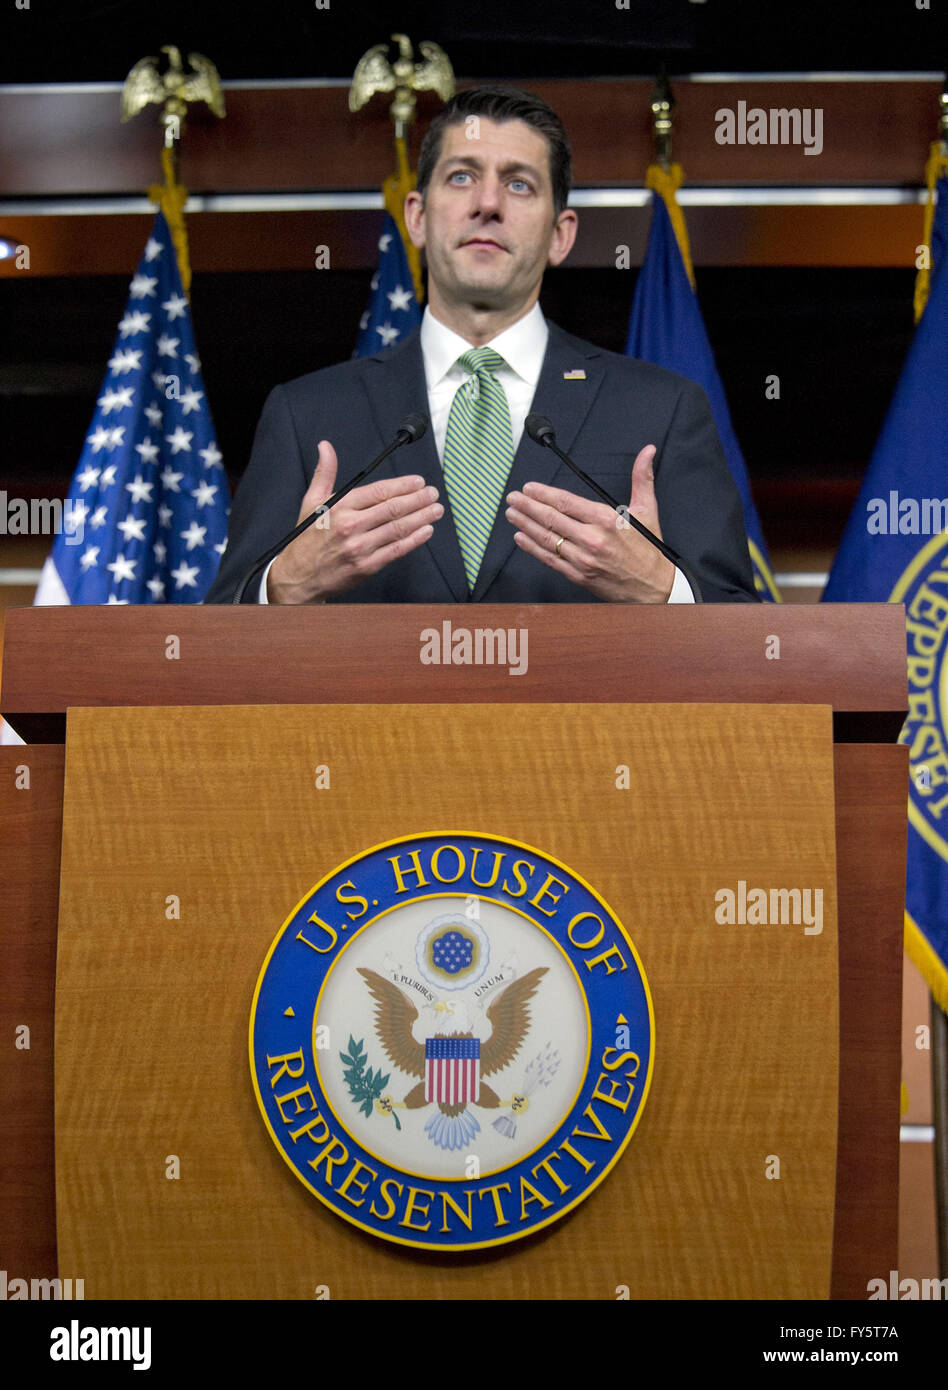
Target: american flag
{"type": "Point", "coordinates": [393, 311]}
{"type": "Point", "coordinates": [149, 499]}
{"type": "Point", "coordinates": [452, 1070]}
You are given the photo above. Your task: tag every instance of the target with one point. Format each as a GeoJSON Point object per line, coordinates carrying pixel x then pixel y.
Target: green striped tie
{"type": "Point", "coordinates": [478, 454]}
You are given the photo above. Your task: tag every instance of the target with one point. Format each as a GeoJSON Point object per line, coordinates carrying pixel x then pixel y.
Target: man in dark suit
{"type": "Point", "coordinates": [477, 511]}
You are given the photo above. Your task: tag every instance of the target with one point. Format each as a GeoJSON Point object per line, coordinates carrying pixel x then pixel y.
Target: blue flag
{"type": "Point", "coordinates": [146, 516]}
{"type": "Point", "coordinates": [895, 549]}
{"type": "Point", "coordinates": [393, 310]}
{"type": "Point", "coordinates": [666, 327]}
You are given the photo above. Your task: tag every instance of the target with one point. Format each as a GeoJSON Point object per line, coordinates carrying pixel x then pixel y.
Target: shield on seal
{"type": "Point", "coordinates": [452, 1070]}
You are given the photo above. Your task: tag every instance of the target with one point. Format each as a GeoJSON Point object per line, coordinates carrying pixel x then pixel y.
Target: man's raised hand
{"type": "Point", "coordinates": [366, 531]}
{"type": "Point", "coordinates": [587, 541]}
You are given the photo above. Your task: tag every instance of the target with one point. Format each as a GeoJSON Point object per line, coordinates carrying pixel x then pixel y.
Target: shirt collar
{"type": "Point", "coordinates": [522, 346]}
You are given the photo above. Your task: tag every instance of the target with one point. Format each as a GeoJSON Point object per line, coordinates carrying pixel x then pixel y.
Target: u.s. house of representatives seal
{"type": "Point", "coordinates": [451, 1040]}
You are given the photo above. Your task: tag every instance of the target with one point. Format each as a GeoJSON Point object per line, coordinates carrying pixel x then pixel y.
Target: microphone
{"type": "Point", "coordinates": [542, 432]}
{"type": "Point", "coordinates": [411, 429]}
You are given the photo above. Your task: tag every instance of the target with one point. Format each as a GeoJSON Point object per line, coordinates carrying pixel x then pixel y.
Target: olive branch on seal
{"type": "Point", "coordinates": [365, 1086]}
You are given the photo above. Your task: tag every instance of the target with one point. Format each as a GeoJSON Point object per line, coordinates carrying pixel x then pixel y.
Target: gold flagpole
{"type": "Point", "coordinates": [936, 167]}
{"type": "Point", "coordinates": [173, 90]}
{"type": "Point", "coordinates": [374, 73]}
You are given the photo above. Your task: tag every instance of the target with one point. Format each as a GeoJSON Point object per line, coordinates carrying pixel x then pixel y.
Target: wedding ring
{"type": "Point", "coordinates": [556, 548]}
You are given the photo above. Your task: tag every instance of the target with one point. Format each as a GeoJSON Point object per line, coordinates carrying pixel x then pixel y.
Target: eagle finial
{"type": "Point", "coordinates": [375, 73]}
{"type": "Point", "coordinates": [173, 90]}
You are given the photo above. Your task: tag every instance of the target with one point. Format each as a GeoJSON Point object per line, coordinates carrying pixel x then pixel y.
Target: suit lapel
{"type": "Point", "coordinates": [395, 384]}
{"type": "Point", "coordinates": [566, 404]}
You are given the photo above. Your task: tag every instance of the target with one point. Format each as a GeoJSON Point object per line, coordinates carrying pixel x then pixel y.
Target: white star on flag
{"type": "Point", "coordinates": [149, 452]}
{"type": "Point", "coordinates": [160, 551]}
{"type": "Point", "coordinates": [99, 517]}
{"type": "Point", "coordinates": [194, 535]}
{"type": "Point", "coordinates": [204, 493]}
{"type": "Point", "coordinates": [212, 456]}
{"type": "Point", "coordinates": [153, 248]}
{"type": "Point", "coordinates": [116, 400]}
{"type": "Point", "coordinates": [184, 576]}
{"type": "Point", "coordinates": [164, 515]}
{"type": "Point", "coordinates": [175, 307]}
{"type": "Point", "coordinates": [399, 298]}
{"type": "Point", "coordinates": [180, 439]}
{"type": "Point", "coordinates": [170, 479]}
{"type": "Point", "coordinates": [140, 490]}
{"type": "Point", "coordinates": [156, 587]}
{"type": "Point", "coordinates": [387, 333]}
{"type": "Point", "coordinates": [154, 414]}
{"type": "Point", "coordinates": [193, 361]}
{"type": "Point", "coordinates": [128, 360]}
{"type": "Point", "coordinates": [122, 568]}
{"type": "Point", "coordinates": [132, 528]}
{"type": "Point", "coordinates": [142, 286]}
{"type": "Point", "coordinates": [191, 400]}
{"type": "Point", "coordinates": [167, 347]}
{"type": "Point", "coordinates": [98, 439]}
{"type": "Point", "coordinates": [385, 241]}
{"type": "Point", "coordinates": [88, 477]}
{"type": "Point", "coordinates": [89, 556]}
{"type": "Point", "coordinates": [135, 321]}
{"type": "Point", "coordinates": [108, 477]}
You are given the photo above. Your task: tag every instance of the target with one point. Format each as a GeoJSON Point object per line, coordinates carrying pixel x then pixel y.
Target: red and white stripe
{"type": "Point", "coordinates": [452, 1081]}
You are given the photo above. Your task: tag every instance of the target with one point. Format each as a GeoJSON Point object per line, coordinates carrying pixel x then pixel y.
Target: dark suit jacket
{"type": "Point", "coordinates": [602, 422]}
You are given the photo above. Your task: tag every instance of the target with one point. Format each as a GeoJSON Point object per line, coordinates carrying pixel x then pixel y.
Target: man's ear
{"type": "Point", "coordinates": [564, 235]}
{"type": "Point", "coordinates": [415, 218]}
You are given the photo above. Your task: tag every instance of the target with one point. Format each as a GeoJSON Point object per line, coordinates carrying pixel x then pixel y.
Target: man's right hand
{"type": "Point", "coordinates": [366, 531]}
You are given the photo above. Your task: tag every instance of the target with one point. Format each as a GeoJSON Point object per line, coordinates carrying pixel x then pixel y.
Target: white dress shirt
{"type": "Point", "coordinates": [522, 346]}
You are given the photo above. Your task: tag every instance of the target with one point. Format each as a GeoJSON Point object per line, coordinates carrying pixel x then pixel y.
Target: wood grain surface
{"type": "Point", "coordinates": [218, 806]}
{"type": "Point", "coordinates": [871, 826]}
{"type": "Point", "coordinates": [31, 815]}
{"type": "Point", "coordinates": [848, 655]}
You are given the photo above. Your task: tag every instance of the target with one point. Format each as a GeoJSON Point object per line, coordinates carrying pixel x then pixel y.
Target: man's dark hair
{"type": "Point", "coordinates": [501, 104]}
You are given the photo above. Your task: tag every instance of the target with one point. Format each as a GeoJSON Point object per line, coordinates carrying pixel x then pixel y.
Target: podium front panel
{"type": "Point", "coordinates": [191, 834]}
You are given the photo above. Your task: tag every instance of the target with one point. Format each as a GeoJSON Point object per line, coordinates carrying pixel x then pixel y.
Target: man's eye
{"type": "Point", "coordinates": [520, 186]}
{"type": "Point", "coordinates": [459, 174]}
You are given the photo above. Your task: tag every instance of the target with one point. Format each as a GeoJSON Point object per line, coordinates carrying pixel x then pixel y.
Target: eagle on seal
{"type": "Point", "coordinates": [452, 1126]}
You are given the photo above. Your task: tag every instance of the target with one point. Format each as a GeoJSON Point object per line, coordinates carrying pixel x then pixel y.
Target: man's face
{"type": "Point", "coordinates": [486, 222]}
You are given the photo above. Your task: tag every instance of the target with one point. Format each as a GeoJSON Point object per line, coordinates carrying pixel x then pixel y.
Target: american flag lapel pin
{"type": "Point", "coordinates": [577, 374]}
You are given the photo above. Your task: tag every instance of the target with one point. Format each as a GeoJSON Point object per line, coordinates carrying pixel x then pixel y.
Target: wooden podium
{"type": "Point", "coordinates": [662, 754]}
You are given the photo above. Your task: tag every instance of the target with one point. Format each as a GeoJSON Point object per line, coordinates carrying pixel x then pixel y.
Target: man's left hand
{"type": "Point", "coordinates": [597, 549]}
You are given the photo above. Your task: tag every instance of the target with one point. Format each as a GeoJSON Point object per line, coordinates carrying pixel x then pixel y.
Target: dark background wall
{"type": "Point", "coordinates": [824, 304]}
